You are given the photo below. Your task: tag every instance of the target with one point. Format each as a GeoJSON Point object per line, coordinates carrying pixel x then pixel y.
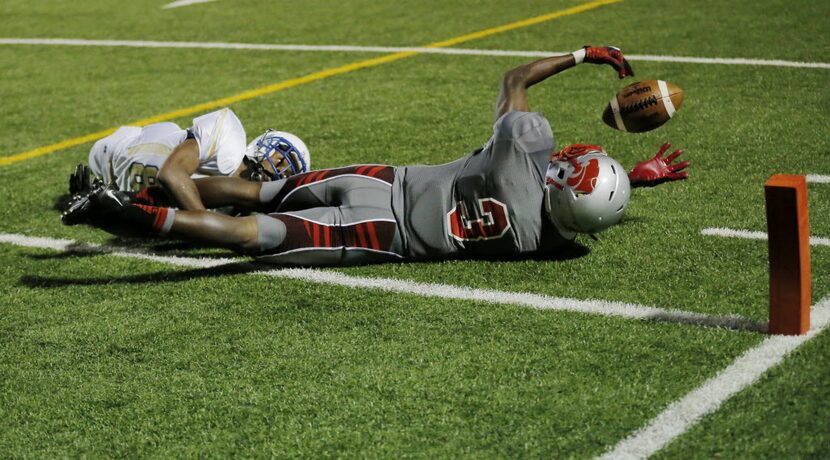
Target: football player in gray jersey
{"type": "Point", "coordinates": [514, 196]}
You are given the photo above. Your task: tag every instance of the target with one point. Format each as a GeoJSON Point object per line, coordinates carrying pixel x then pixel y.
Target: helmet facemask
{"type": "Point", "coordinates": [293, 161]}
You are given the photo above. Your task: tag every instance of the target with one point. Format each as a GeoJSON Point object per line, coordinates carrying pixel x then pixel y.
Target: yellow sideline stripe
{"type": "Point", "coordinates": [250, 94]}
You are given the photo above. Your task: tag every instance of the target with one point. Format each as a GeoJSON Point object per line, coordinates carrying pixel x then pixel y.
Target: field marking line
{"type": "Point", "coordinates": [396, 49]}
{"type": "Point", "coordinates": [687, 411]}
{"type": "Point", "coordinates": [818, 179]}
{"type": "Point", "coordinates": [754, 235]}
{"type": "Point", "coordinates": [444, 291]}
{"type": "Point", "coordinates": [180, 3]}
{"type": "Point", "coordinates": [250, 94]}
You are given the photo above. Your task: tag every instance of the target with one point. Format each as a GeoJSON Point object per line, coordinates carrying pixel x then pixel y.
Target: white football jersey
{"type": "Point", "coordinates": [132, 157]}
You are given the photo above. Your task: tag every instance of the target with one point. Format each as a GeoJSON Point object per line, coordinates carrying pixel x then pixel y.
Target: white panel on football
{"type": "Point", "coordinates": [615, 107]}
{"type": "Point", "coordinates": [664, 92]}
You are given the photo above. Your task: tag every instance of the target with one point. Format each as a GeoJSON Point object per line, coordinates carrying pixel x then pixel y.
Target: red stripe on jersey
{"type": "Point", "coordinates": [373, 237]}
{"type": "Point", "coordinates": [327, 236]}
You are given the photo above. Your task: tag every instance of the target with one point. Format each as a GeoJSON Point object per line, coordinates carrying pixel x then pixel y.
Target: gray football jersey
{"type": "Point", "coordinates": [490, 203]}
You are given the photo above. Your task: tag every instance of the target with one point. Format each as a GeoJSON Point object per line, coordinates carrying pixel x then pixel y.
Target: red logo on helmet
{"type": "Point", "coordinates": [583, 178]}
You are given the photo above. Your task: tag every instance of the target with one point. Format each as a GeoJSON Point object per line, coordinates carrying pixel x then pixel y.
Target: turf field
{"type": "Point", "coordinates": [106, 353]}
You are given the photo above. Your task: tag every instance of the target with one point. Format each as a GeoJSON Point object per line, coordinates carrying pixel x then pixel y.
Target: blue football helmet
{"type": "Point", "coordinates": [294, 156]}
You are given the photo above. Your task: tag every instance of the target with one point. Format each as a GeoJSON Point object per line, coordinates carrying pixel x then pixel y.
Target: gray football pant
{"type": "Point", "coordinates": [337, 216]}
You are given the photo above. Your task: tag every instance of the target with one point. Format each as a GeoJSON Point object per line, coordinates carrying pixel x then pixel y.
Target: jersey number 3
{"type": "Point", "coordinates": [493, 221]}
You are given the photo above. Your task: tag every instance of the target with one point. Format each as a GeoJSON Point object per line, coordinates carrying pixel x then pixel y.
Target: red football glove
{"type": "Point", "coordinates": [575, 150]}
{"type": "Point", "coordinates": [658, 169]}
{"type": "Point", "coordinates": [609, 55]}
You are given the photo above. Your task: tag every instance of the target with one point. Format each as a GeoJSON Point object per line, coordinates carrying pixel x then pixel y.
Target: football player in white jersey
{"type": "Point", "coordinates": [163, 154]}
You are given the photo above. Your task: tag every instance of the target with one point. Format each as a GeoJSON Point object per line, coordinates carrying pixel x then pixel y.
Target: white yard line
{"type": "Point", "coordinates": [388, 49]}
{"type": "Point", "coordinates": [179, 3]}
{"type": "Point", "coordinates": [752, 235]}
{"type": "Point", "coordinates": [541, 302]}
{"type": "Point", "coordinates": [818, 179]}
{"type": "Point", "coordinates": [675, 420]}
{"type": "Point", "coordinates": [684, 413]}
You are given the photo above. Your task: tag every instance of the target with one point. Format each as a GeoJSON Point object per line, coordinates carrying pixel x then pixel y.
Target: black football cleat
{"type": "Point", "coordinates": [100, 201]}
{"type": "Point", "coordinates": [78, 210]}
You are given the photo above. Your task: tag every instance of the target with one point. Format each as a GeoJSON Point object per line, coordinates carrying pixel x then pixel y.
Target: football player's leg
{"type": "Point", "coordinates": [321, 188]}
{"type": "Point", "coordinates": [112, 211]}
{"type": "Point", "coordinates": [238, 233]}
{"type": "Point", "coordinates": [361, 230]}
{"type": "Point", "coordinates": [328, 236]}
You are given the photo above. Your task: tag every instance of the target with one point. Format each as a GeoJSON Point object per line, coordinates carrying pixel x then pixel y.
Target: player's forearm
{"type": "Point", "coordinates": [182, 189]}
{"type": "Point", "coordinates": [175, 175]}
{"type": "Point", "coordinates": [527, 75]}
{"type": "Point", "coordinates": [217, 192]}
{"type": "Point", "coordinates": [514, 84]}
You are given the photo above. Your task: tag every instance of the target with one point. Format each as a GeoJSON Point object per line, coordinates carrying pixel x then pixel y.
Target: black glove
{"type": "Point", "coordinates": [79, 180]}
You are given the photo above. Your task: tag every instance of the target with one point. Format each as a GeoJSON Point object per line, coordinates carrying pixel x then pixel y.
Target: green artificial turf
{"type": "Point", "coordinates": [108, 356]}
{"type": "Point", "coordinates": [103, 356]}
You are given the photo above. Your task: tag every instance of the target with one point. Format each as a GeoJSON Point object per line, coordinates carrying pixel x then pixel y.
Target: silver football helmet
{"type": "Point", "coordinates": [295, 155]}
{"type": "Point", "coordinates": [586, 193]}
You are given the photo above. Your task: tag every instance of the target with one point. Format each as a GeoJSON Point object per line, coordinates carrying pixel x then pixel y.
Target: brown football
{"type": "Point", "coordinates": [643, 106]}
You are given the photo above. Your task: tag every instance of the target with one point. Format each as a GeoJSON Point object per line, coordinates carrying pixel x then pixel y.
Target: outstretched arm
{"type": "Point", "coordinates": [514, 84]}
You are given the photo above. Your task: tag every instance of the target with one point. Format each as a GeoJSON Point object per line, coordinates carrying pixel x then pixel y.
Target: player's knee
{"type": "Point", "coordinates": [243, 236]}
{"type": "Point", "coordinates": [270, 233]}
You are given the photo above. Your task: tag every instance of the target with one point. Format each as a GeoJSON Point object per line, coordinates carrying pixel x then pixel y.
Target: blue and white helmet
{"type": "Point", "coordinates": [295, 157]}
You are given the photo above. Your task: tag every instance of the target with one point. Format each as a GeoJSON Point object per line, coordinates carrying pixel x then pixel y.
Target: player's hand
{"type": "Point", "coordinates": [609, 55]}
{"type": "Point", "coordinates": [658, 169]}
{"type": "Point", "coordinates": [576, 150]}
{"type": "Point", "coordinates": [79, 180]}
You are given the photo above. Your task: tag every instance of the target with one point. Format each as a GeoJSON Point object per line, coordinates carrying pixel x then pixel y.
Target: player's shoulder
{"type": "Point", "coordinates": [221, 139]}
{"type": "Point", "coordinates": [220, 119]}
{"type": "Point", "coordinates": [515, 124]}
{"type": "Point", "coordinates": [527, 132]}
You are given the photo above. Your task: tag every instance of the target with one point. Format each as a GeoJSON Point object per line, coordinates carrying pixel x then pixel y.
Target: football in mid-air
{"type": "Point", "coordinates": [643, 106]}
